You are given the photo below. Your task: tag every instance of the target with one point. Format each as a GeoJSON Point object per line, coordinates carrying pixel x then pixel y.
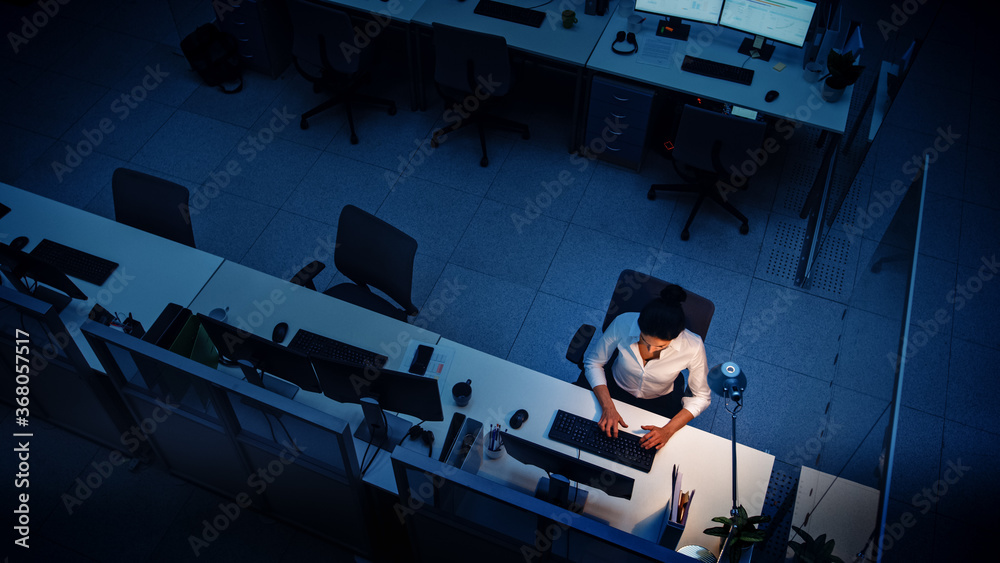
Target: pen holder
{"type": "Point", "coordinates": [494, 443]}
{"type": "Point", "coordinates": [495, 454]}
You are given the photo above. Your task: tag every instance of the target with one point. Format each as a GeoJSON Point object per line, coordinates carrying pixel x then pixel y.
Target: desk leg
{"type": "Point", "coordinates": [861, 116]}
{"type": "Point", "coordinates": [414, 57]}
{"type": "Point", "coordinates": [822, 138]}
{"type": "Point", "coordinates": [814, 209]}
{"type": "Point", "coordinates": [576, 131]}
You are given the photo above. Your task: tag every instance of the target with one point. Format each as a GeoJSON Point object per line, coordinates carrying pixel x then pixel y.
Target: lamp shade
{"type": "Point", "coordinates": [727, 380]}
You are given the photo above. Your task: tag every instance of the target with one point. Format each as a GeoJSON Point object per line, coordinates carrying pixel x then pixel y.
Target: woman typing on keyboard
{"type": "Point", "coordinates": [653, 347]}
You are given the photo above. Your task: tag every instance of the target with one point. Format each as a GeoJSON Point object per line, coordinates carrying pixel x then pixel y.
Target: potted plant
{"type": "Point", "coordinates": [747, 527]}
{"type": "Point", "coordinates": [813, 550]}
{"type": "Point", "coordinates": [842, 72]}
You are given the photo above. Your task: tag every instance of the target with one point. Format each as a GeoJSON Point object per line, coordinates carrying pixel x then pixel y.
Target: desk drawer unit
{"type": "Point", "coordinates": [263, 30]}
{"type": "Point", "coordinates": [617, 120]}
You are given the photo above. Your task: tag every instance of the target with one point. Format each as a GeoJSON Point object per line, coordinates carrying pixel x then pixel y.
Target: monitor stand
{"type": "Point", "coordinates": [380, 429]}
{"type": "Point", "coordinates": [57, 299]}
{"type": "Point", "coordinates": [556, 489]}
{"type": "Point", "coordinates": [757, 45]}
{"type": "Point", "coordinates": [672, 28]}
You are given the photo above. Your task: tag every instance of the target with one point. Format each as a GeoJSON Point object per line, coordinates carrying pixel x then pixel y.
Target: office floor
{"type": "Point", "coordinates": [512, 268]}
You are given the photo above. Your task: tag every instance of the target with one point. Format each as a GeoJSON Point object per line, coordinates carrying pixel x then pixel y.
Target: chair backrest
{"type": "Point", "coordinates": [318, 34]}
{"type": "Point", "coordinates": [704, 135]}
{"type": "Point", "coordinates": [465, 60]}
{"type": "Point", "coordinates": [371, 252]}
{"type": "Point", "coordinates": [152, 204]}
{"type": "Point", "coordinates": [635, 289]}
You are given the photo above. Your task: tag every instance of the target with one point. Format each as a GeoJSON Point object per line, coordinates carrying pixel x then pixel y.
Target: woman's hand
{"type": "Point", "coordinates": [610, 419]}
{"type": "Point", "coordinates": [656, 438]}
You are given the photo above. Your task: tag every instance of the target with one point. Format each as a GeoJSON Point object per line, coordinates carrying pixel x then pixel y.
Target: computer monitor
{"type": "Point", "coordinates": [705, 11]}
{"type": "Point", "coordinates": [563, 468]}
{"type": "Point", "coordinates": [258, 356]}
{"type": "Point", "coordinates": [378, 390]}
{"type": "Point", "coordinates": [17, 265]}
{"type": "Point", "coordinates": [786, 21]}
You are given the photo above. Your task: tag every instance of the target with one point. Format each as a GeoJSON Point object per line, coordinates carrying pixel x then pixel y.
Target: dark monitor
{"type": "Point", "coordinates": [17, 264]}
{"type": "Point", "coordinates": [265, 356]}
{"type": "Point", "coordinates": [570, 468]}
{"type": "Point", "coordinates": [705, 11]}
{"type": "Point", "coordinates": [786, 21]}
{"type": "Point", "coordinates": [378, 390]}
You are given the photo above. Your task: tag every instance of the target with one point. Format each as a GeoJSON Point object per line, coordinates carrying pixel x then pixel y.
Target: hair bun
{"type": "Point", "coordinates": [673, 293]}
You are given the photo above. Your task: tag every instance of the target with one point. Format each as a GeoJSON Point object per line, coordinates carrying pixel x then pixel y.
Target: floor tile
{"type": "Point", "coordinates": [50, 103]}
{"type": "Point", "coordinates": [615, 203]}
{"type": "Point", "coordinates": [968, 473]}
{"type": "Point", "coordinates": [290, 242]}
{"type": "Point", "coordinates": [190, 146]}
{"type": "Point", "coordinates": [165, 67]}
{"type": "Point", "coordinates": [232, 227]}
{"type": "Point", "coordinates": [869, 346]}
{"type": "Point", "coordinates": [242, 109]}
{"type": "Point", "coordinates": [547, 332]}
{"type": "Point", "coordinates": [118, 126]}
{"type": "Point", "coordinates": [966, 404]}
{"type": "Point", "coordinates": [60, 173]}
{"type": "Point", "coordinates": [103, 57]}
{"type": "Point", "coordinates": [980, 231]}
{"type": "Point", "coordinates": [333, 182]}
{"type": "Point", "coordinates": [18, 150]}
{"type": "Point", "coordinates": [270, 169]}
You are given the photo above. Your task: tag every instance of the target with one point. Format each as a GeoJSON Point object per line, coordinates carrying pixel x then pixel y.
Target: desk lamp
{"type": "Point", "coordinates": [728, 381]}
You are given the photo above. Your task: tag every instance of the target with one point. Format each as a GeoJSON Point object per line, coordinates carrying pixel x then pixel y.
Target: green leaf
{"type": "Point", "coordinates": [720, 532]}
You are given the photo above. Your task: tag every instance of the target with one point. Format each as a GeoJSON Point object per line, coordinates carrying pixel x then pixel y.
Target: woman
{"type": "Point", "coordinates": [653, 347]}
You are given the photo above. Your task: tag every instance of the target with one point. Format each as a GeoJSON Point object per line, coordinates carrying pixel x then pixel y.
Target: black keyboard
{"type": "Point", "coordinates": [313, 344]}
{"type": "Point", "coordinates": [511, 13]}
{"type": "Point", "coordinates": [715, 69]}
{"type": "Point", "coordinates": [74, 263]}
{"type": "Point", "coordinates": [583, 433]}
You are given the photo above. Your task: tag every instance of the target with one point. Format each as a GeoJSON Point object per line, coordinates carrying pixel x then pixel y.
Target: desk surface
{"type": "Point", "coordinates": [399, 10]}
{"type": "Point", "coordinates": [843, 510]}
{"type": "Point", "coordinates": [552, 41]}
{"type": "Point", "coordinates": [798, 101]}
{"type": "Point", "coordinates": [146, 279]}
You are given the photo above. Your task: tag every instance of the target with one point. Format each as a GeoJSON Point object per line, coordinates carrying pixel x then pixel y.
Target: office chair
{"type": "Point", "coordinates": [372, 254]}
{"type": "Point", "coordinates": [152, 204]}
{"type": "Point", "coordinates": [632, 291]}
{"type": "Point", "coordinates": [708, 144]}
{"type": "Point", "coordinates": [318, 32]}
{"type": "Point", "coordinates": [472, 71]}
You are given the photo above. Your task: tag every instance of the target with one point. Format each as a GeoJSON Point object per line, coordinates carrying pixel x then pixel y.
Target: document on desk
{"type": "Point", "coordinates": [657, 51]}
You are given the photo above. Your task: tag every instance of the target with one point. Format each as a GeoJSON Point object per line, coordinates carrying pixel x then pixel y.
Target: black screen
{"type": "Point", "coordinates": [395, 391]}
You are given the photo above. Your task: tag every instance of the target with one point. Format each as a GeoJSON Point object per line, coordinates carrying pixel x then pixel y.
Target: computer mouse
{"type": "Point", "coordinates": [518, 419]}
{"type": "Point", "coordinates": [280, 331]}
{"type": "Point", "coordinates": [19, 243]}
{"type": "Point", "coordinates": [771, 96]}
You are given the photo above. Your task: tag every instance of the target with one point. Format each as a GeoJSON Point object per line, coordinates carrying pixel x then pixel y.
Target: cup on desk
{"type": "Point", "coordinates": [462, 392]}
{"type": "Point", "coordinates": [635, 23]}
{"type": "Point", "coordinates": [812, 72]}
{"type": "Point", "coordinates": [219, 314]}
{"type": "Point", "coordinates": [569, 18]}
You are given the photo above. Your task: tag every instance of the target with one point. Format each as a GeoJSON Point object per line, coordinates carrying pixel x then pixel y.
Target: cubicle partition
{"type": "Point", "coordinates": [262, 450]}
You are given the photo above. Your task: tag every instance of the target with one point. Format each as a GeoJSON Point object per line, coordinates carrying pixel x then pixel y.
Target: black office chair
{"type": "Point", "coordinates": [318, 32]}
{"type": "Point", "coordinates": [472, 72]}
{"type": "Point", "coordinates": [372, 254]}
{"type": "Point", "coordinates": [708, 143]}
{"type": "Point", "coordinates": [632, 291]}
{"type": "Point", "coordinates": [152, 204]}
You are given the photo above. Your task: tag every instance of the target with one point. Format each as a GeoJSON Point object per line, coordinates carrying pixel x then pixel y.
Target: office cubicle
{"type": "Point", "coordinates": [286, 459]}
{"type": "Point", "coordinates": [61, 386]}
{"type": "Point", "coordinates": [453, 515]}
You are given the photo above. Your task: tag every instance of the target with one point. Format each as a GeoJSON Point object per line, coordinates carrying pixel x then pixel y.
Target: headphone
{"type": "Point", "coordinates": [426, 436]}
{"type": "Point", "coordinates": [629, 38]}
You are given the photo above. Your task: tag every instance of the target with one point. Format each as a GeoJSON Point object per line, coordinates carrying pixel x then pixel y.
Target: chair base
{"type": "Point", "coordinates": [348, 98]}
{"type": "Point", "coordinates": [704, 191]}
{"type": "Point", "coordinates": [482, 121]}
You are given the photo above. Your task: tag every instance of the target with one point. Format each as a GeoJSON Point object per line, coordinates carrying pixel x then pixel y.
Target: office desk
{"type": "Point", "coordinates": [500, 387]}
{"type": "Point", "coordinates": [152, 271]}
{"type": "Point", "coordinates": [551, 43]}
{"type": "Point", "coordinates": [798, 101]}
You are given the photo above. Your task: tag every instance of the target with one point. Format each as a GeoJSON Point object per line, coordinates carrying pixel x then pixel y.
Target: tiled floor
{"type": "Point", "coordinates": [533, 263]}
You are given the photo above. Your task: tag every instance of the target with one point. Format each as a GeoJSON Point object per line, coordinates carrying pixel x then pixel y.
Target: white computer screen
{"type": "Point", "coordinates": [695, 10]}
{"type": "Point", "coordinates": [782, 20]}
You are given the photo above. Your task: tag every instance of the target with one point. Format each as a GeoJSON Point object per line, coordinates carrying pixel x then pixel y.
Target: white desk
{"type": "Point", "coordinates": [843, 510]}
{"type": "Point", "coordinates": [798, 101]}
{"type": "Point", "coordinates": [152, 271]}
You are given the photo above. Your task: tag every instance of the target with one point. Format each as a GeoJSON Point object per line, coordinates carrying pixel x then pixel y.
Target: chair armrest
{"type": "Point", "coordinates": [578, 346]}
{"type": "Point", "coordinates": [305, 276]}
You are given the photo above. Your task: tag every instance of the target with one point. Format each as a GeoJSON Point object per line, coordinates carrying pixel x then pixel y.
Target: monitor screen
{"type": "Point", "coordinates": [395, 391]}
{"type": "Point", "coordinates": [706, 11]}
{"type": "Point", "coordinates": [574, 469]}
{"type": "Point", "coordinates": [235, 344]}
{"type": "Point", "coordinates": [786, 21]}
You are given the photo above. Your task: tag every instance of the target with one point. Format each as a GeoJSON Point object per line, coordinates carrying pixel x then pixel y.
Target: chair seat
{"type": "Point", "coordinates": [363, 297]}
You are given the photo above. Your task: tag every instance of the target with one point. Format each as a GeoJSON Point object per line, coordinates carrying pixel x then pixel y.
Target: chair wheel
{"type": "Point", "coordinates": [484, 162]}
{"type": "Point", "coordinates": [303, 124]}
{"type": "Point", "coordinates": [744, 229]}
{"type": "Point", "coordinates": [392, 110]}
{"type": "Point", "coordinates": [685, 234]}
{"type": "Point", "coordinates": [651, 195]}
{"type": "Point", "coordinates": [354, 139]}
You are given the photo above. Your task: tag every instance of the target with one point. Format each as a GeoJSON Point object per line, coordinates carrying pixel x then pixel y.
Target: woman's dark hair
{"type": "Point", "coordinates": [663, 317]}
